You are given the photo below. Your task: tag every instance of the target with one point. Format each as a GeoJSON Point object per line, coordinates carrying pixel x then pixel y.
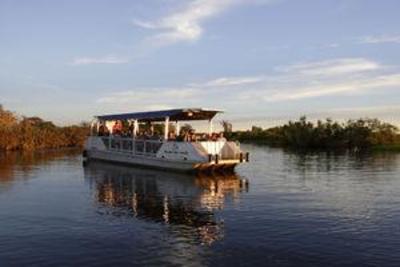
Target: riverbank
{"type": "Point", "coordinates": [355, 135]}
{"type": "Point", "coordinates": [18, 133]}
{"type": "Point", "coordinates": [389, 148]}
{"type": "Point", "coordinates": [375, 148]}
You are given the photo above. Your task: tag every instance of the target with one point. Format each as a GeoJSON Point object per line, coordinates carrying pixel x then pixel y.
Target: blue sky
{"type": "Point", "coordinates": [262, 61]}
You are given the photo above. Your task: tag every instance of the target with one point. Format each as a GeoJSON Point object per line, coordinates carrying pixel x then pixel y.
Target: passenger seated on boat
{"type": "Point", "coordinates": [117, 128]}
{"type": "Point", "coordinates": [221, 137]}
{"type": "Point", "coordinates": [187, 137]}
{"type": "Point", "coordinates": [128, 131]}
{"type": "Point", "coordinates": [172, 136]}
{"type": "Point", "coordinates": [131, 129]}
{"type": "Point", "coordinates": [145, 135]}
{"type": "Point", "coordinates": [192, 136]}
{"type": "Point", "coordinates": [213, 137]}
{"type": "Point", "coordinates": [148, 135]}
{"type": "Point", "coordinates": [141, 135]}
{"type": "Point", "coordinates": [180, 138]}
{"type": "Point", "coordinates": [103, 130]}
{"type": "Point", "coordinates": [201, 137]}
{"type": "Point", "coordinates": [155, 136]}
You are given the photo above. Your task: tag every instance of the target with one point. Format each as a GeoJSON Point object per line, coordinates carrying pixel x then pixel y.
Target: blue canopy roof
{"type": "Point", "coordinates": [186, 114]}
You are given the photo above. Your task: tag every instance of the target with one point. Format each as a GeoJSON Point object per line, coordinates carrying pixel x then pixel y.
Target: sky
{"type": "Point", "coordinates": [261, 61]}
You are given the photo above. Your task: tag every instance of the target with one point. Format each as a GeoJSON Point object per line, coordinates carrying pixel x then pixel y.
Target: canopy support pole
{"type": "Point", "coordinates": [92, 124]}
{"type": "Point", "coordinates": [135, 128]}
{"type": "Point", "coordinates": [166, 129]}
{"type": "Point", "coordinates": [210, 127]}
{"type": "Point", "coordinates": [177, 128]}
{"type": "Point", "coordinates": [152, 128]}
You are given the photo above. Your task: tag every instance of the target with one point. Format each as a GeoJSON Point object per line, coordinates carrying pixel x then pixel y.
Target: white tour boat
{"type": "Point", "coordinates": [131, 138]}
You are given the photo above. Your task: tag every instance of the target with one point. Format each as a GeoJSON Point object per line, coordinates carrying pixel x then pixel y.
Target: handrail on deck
{"type": "Point", "coordinates": [134, 146]}
{"type": "Point", "coordinates": [223, 150]}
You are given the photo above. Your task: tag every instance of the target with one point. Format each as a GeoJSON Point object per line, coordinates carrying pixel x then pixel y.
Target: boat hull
{"type": "Point", "coordinates": [166, 155]}
{"type": "Point", "coordinates": [159, 163]}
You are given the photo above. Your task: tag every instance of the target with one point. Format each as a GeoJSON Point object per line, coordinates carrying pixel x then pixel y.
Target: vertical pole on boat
{"type": "Point", "coordinates": [177, 128]}
{"type": "Point", "coordinates": [132, 123]}
{"type": "Point", "coordinates": [210, 127]}
{"type": "Point", "coordinates": [135, 132]}
{"type": "Point", "coordinates": [166, 129]}
{"type": "Point", "coordinates": [91, 127]}
{"type": "Point", "coordinates": [135, 128]}
{"type": "Point", "coordinates": [109, 136]}
{"type": "Point", "coordinates": [152, 128]}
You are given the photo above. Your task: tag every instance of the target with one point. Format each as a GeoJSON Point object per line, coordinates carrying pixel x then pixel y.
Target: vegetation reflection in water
{"type": "Point", "coordinates": [25, 162]}
{"type": "Point", "coordinates": [325, 209]}
{"type": "Point", "coordinates": [185, 202]}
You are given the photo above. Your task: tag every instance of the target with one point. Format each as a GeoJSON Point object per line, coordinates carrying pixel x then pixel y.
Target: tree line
{"type": "Point", "coordinates": [326, 135]}
{"type": "Point", "coordinates": [30, 133]}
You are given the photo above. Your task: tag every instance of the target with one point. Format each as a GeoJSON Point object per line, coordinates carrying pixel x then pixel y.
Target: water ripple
{"type": "Point", "coordinates": [282, 209]}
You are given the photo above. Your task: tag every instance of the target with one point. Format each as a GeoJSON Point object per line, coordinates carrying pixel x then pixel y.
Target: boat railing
{"type": "Point", "coordinates": [231, 151]}
{"type": "Point", "coordinates": [224, 150]}
{"type": "Point", "coordinates": [132, 146]}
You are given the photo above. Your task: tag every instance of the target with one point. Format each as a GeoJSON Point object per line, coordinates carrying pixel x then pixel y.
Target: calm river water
{"type": "Point", "coordinates": [282, 209]}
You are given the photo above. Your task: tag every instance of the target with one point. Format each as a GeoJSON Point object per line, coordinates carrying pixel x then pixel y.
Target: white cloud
{"type": "Point", "coordinates": [186, 23]}
{"type": "Point", "coordinates": [333, 67]}
{"type": "Point", "coordinates": [367, 109]}
{"type": "Point", "coordinates": [231, 81]}
{"type": "Point", "coordinates": [101, 60]}
{"type": "Point", "coordinates": [322, 78]}
{"type": "Point", "coordinates": [336, 88]}
{"type": "Point", "coordinates": [251, 93]}
{"type": "Point", "coordinates": [380, 39]}
{"type": "Point", "coordinates": [195, 94]}
{"type": "Point", "coordinates": [332, 45]}
{"type": "Point", "coordinates": [153, 96]}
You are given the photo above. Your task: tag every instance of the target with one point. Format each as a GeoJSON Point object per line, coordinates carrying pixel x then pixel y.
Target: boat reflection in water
{"type": "Point", "coordinates": [186, 201]}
